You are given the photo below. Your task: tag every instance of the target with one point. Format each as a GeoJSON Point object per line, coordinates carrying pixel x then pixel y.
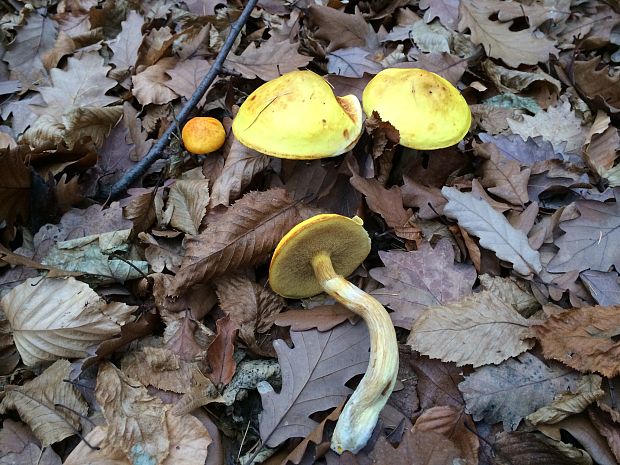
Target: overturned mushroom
{"type": "Point", "coordinates": [313, 257]}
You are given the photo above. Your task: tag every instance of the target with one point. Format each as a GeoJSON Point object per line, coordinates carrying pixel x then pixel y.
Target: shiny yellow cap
{"type": "Point", "coordinates": [344, 239]}
{"type": "Point", "coordinates": [202, 135]}
{"type": "Point", "coordinates": [298, 116]}
{"type": "Point", "coordinates": [428, 111]}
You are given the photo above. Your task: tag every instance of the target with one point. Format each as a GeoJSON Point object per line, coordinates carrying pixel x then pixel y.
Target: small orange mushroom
{"type": "Point", "coordinates": [202, 135]}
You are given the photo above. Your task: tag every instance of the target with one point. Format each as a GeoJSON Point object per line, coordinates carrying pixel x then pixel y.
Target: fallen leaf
{"type": "Point", "coordinates": [512, 80]}
{"type": "Point", "coordinates": [269, 61]}
{"type": "Point", "coordinates": [15, 183]}
{"type": "Point", "coordinates": [314, 373]}
{"type": "Point", "coordinates": [477, 330]}
{"type": "Point", "coordinates": [449, 422]}
{"type": "Point", "coordinates": [604, 425]}
{"type": "Point", "coordinates": [243, 236]}
{"type": "Point", "coordinates": [428, 200]}
{"type": "Point", "coordinates": [126, 44]}
{"type": "Point", "coordinates": [150, 85]}
{"type": "Point", "coordinates": [240, 167]}
{"type": "Point", "coordinates": [512, 390]}
{"type": "Point", "coordinates": [340, 29]}
{"type": "Point", "coordinates": [557, 124]}
{"type": "Point", "coordinates": [603, 286]}
{"type": "Point", "coordinates": [220, 352]}
{"type": "Point", "coordinates": [323, 317]}
{"type": "Point", "coordinates": [597, 84]}
{"type": "Point", "coordinates": [55, 318]}
{"type": "Point", "coordinates": [187, 75]}
{"type": "Point", "coordinates": [582, 338]}
{"type": "Point", "coordinates": [590, 240]}
{"type": "Point", "coordinates": [414, 281]}
{"type": "Point", "coordinates": [512, 291]}
{"type": "Point", "coordinates": [522, 448]}
{"type": "Point", "coordinates": [21, 447]}
{"type": "Point", "coordinates": [50, 405]}
{"type": "Point", "coordinates": [514, 48]}
{"type": "Point", "coordinates": [437, 383]}
{"type": "Point", "coordinates": [189, 199]}
{"type": "Point", "coordinates": [423, 447]}
{"type": "Point", "coordinates": [587, 391]}
{"type": "Point", "coordinates": [446, 10]}
{"type": "Point", "coordinates": [477, 217]}
{"type": "Point", "coordinates": [352, 62]}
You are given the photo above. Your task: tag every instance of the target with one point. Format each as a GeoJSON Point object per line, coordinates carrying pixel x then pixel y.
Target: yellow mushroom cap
{"type": "Point", "coordinates": [344, 239]}
{"type": "Point", "coordinates": [203, 134]}
{"type": "Point", "coordinates": [428, 111]}
{"type": "Point", "coordinates": [298, 116]}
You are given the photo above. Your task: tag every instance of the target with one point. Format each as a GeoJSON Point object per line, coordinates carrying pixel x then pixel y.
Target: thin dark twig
{"type": "Point", "coordinates": [157, 150]}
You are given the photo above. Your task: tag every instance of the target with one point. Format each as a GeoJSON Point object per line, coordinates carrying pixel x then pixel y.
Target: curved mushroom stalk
{"type": "Point", "coordinates": [360, 414]}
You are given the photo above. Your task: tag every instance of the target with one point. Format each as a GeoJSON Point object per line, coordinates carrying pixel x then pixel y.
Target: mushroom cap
{"type": "Point", "coordinates": [298, 116]}
{"type": "Point", "coordinates": [344, 239]}
{"type": "Point", "coordinates": [203, 134]}
{"type": "Point", "coordinates": [428, 111]}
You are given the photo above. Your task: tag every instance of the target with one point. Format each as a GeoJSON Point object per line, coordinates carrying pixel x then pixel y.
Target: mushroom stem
{"type": "Point", "coordinates": [360, 414]}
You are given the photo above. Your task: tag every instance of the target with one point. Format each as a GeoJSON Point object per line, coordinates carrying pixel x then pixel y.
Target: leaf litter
{"type": "Point", "coordinates": [124, 325]}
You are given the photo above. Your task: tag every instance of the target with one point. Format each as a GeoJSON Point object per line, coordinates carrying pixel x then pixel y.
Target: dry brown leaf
{"type": "Point", "coordinates": [437, 383]}
{"type": "Point", "coordinates": [187, 75]}
{"type": "Point", "coordinates": [323, 317]}
{"type": "Point", "coordinates": [189, 199]}
{"type": "Point", "coordinates": [478, 330]}
{"type": "Point", "coordinates": [423, 447]}
{"type": "Point", "coordinates": [240, 167]}
{"type": "Point", "coordinates": [20, 447]}
{"type": "Point", "coordinates": [55, 318]}
{"type": "Point", "coordinates": [49, 404]}
{"type": "Point", "coordinates": [449, 422]}
{"type": "Point", "coordinates": [596, 84]}
{"type": "Point", "coordinates": [514, 48]}
{"type": "Point", "coordinates": [140, 425]}
{"type": "Point", "coordinates": [314, 373]}
{"type": "Point", "coordinates": [243, 236]}
{"type": "Point", "coordinates": [269, 61]}
{"type": "Point", "coordinates": [582, 338]}
{"type": "Point", "coordinates": [341, 29]}
{"type": "Point", "coordinates": [477, 217]}
{"type": "Point", "coordinates": [522, 448]}
{"type": "Point", "coordinates": [126, 44]}
{"type": "Point", "coordinates": [604, 425]}
{"type": "Point", "coordinates": [557, 124]}
{"type": "Point", "coordinates": [220, 352]}
{"type": "Point", "coordinates": [514, 389]}
{"type": "Point", "coordinates": [417, 280]}
{"type": "Point", "coordinates": [150, 85]}
{"type": "Point", "coordinates": [253, 307]}
{"type": "Point", "coordinates": [503, 176]}
{"type": "Point", "coordinates": [428, 200]}
{"type": "Point", "coordinates": [446, 10]}
{"type": "Point", "coordinates": [587, 391]}
{"type": "Point", "coordinates": [15, 184]}
{"type": "Point", "coordinates": [512, 291]}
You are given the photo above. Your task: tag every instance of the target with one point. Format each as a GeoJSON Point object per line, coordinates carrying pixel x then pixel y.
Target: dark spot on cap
{"type": "Point", "coordinates": [345, 133]}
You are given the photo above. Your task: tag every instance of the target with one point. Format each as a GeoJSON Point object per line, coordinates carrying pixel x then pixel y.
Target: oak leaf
{"type": "Point", "coordinates": [477, 217]}
{"type": "Point", "coordinates": [55, 318]}
{"type": "Point", "coordinates": [446, 10]}
{"type": "Point", "coordinates": [514, 389]}
{"type": "Point", "coordinates": [590, 241]}
{"type": "Point", "coordinates": [150, 85]}
{"type": "Point", "coordinates": [187, 75]}
{"type": "Point", "coordinates": [514, 48]}
{"type": "Point", "coordinates": [598, 84]}
{"type": "Point", "coordinates": [243, 236]}
{"type": "Point", "coordinates": [582, 338]}
{"type": "Point", "coordinates": [526, 152]}
{"type": "Point", "coordinates": [416, 446]}
{"type": "Point", "coordinates": [269, 61]}
{"type": "Point", "coordinates": [352, 62]}
{"type": "Point", "coordinates": [603, 286]}
{"type": "Point", "coordinates": [341, 29]}
{"type": "Point", "coordinates": [48, 404]}
{"type": "Point", "coordinates": [126, 44]}
{"type": "Point", "coordinates": [314, 373]}
{"type": "Point", "coordinates": [414, 281]}
{"type": "Point", "coordinates": [478, 330]}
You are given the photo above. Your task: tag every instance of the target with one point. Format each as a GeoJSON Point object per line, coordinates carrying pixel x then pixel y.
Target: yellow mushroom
{"type": "Point", "coordinates": [202, 135]}
{"type": "Point", "coordinates": [313, 257]}
{"type": "Point", "coordinates": [428, 111]}
{"type": "Point", "coordinates": [298, 116]}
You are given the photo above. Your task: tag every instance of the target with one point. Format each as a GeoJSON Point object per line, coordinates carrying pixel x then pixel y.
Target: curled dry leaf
{"type": "Point", "coordinates": [514, 389]}
{"type": "Point", "coordinates": [243, 236]}
{"type": "Point", "coordinates": [477, 217]}
{"type": "Point", "coordinates": [582, 338]}
{"type": "Point", "coordinates": [140, 427]}
{"type": "Point", "coordinates": [50, 405]}
{"type": "Point", "coordinates": [588, 390]}
{"type": "Point", "coordinates": [478, 330]}
{"type": "Point", "coordinates": [522, 448]}
{"type": "Point", "coordinates": [56, 318]}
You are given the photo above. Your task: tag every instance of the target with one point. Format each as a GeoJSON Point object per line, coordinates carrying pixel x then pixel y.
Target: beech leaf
{"type": "Point", "coordinates": [243, 236]}
{"type": "Point", "coordinates": [48, 404]}
{"type": "Point", "coordinates": [478, 330]}
{"type": "Point", "coordinates": [524, 448]}
{"type": "Point", "coordinates": [56, 318]}
{"type": "Point", "coordinates": [477, 217]}
{"type": "Point", "coordinates": [189, 199]}
{"type": "Point", "coordinates": [582, 338]}
{"type": "Point", "coordinates": [314, 373]}
{"type": "Point", "coordinates": [414, 281]}
{"type": "Point", "coordinates": [514, 389]}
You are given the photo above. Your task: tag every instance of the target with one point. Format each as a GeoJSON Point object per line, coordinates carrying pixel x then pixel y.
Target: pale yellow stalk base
{"type": "Point", "coordinates": [360, 414]}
